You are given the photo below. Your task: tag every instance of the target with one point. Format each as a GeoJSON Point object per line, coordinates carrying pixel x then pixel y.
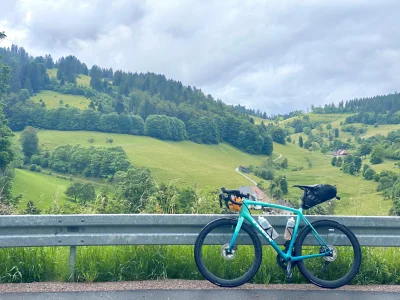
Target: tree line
{"type": "Point", "coordinates": [8, 150]}
{"type": "Point", "coordinates": [123, 106]}
{"type": "Point", "coordinates": [383, 109]}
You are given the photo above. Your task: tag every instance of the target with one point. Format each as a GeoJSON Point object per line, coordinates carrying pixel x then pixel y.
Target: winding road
{"type": "Point", "coordinates": [248, 178]}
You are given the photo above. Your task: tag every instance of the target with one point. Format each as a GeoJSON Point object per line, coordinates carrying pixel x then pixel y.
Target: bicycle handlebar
{"type": "Point", "coordinates": [228, 198]}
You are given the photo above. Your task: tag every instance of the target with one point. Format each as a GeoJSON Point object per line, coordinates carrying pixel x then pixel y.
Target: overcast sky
{"type": "Point", "coordinates": [275, 56]}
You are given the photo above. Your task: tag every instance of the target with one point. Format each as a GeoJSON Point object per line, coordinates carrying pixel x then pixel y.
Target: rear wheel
{"type": "Point", "coordinates": [337, 269]}
{"type": "Point", "coordinates": [217, 264]}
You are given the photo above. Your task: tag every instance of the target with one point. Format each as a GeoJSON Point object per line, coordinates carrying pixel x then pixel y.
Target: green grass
{"type": "Point", "coordinates": [52, 73]}
{"type": "Point", "coordinates": [83, 80]}
{"type": "Point", "coordinates": [258, 120]}
{"type": "Point", "coordinates": [383, 129]}
{"type": "Point", "coordinates": [52, 100]}
{"type": "Point", "coordinates": [42, 188]}
{"type": "Point", "coordinates": [129, 263]}
{"type": "Point", "coordinates": [188, 164]}
{"type": "Point", "coordinates": [185, 163]}
{"type": "Point", "coordinates": [359, 196]}
{"type": "Point", "coordinates": [38, 187]}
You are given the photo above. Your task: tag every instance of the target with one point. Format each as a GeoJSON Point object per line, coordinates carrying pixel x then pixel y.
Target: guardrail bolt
{"type": "Point", "coordinates": [83, 220]}
{"type": "Point", "coordinates": [59, 240]}
{"type": "Point", "coordinates": [82, 241]}
{"type": "Point", "coordinates": [59, 221]}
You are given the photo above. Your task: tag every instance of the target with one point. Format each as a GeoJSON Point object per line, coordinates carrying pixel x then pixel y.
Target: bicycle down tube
{"type": "Point", "coordinates": [245, 214]}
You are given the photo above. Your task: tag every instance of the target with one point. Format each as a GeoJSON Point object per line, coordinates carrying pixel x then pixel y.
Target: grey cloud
{"type": "Point", "coordinates": [269, 55]}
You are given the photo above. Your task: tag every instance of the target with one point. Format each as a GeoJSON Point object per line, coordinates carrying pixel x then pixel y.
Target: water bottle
{"type": "Point", "coordinates": [267, 227]}
{"type": "Point", "coordinates": [289, 229]}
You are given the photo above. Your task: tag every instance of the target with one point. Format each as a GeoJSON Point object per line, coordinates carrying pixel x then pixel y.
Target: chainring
{"type": "Point", "coordinates": [281, 262]}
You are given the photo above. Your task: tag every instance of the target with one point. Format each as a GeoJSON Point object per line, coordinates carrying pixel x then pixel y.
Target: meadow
{"type": "Point", "coordinates": [190, 164]}
{"type": "Point", "coordinates": [183, 163]}
{"type": "Point", "coordinates": [55, 100]}
{"type": "Point", "coordinates": [82, 80]}
{"type": "Point", "coordinates": [358, 196]}
{"type": "Point", "coordinates": [42, 188]}
{"type": "Point", "coordinates": [39, 188]}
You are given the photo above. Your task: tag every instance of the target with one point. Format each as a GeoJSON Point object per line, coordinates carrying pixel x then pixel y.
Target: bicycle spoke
{"type": "Point", "coordinates": [223, 267]}
{"type": "Point", "coordinates": [336, 268]}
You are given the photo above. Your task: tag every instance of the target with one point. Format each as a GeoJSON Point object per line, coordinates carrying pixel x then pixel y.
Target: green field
{"type": "Point", "coordinates": [38, 187]}
{"type": "Point", "coordinates": [52, 73]}
{"type": "Point", "coordinates": [184, 163]}
{"type": "Point", "coordinates": [359, 196]}
{"type": "Point", "coordinates": [52, 100]}
{"type": "Point", "coordinates": [258, 120]}
{"type": "Point", "coordinates": [42, 188]}
{"type": "Point", "coordinates": [82, 80]}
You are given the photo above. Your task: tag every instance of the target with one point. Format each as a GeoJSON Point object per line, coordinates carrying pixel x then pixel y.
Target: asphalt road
{"type": "Point", "coordinates": [206, 294]}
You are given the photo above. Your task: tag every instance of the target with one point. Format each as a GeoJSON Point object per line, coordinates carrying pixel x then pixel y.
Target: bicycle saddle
{"type": "Point", "coordinates": [310, 187]}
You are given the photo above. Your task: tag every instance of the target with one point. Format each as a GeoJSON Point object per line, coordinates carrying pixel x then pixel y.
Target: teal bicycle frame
{"type": "Point", "coordinates": [245, 214]}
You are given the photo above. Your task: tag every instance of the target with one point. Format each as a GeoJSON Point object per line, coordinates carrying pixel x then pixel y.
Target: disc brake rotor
{"type": "Point", "coordinates": [228, 255]}
{"type": "Point", "coordinates": [333, 256]}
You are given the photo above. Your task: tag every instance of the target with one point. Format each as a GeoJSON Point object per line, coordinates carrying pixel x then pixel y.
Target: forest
{"type": "Point", "coordinates": [122, 102]}
{"type": "Point", "coordinates": [151, 105]}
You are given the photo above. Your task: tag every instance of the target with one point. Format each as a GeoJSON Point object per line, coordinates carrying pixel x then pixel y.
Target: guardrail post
{"type": "Point", "coordinates": [72, 258]}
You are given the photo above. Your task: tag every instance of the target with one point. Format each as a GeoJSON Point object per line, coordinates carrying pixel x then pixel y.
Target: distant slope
{"type": "Point", "coordinates": [185, 163]}
{"type": "Point", "coordinates": [359, 196]}
{"type": "Point", "coordinates": [52, 100]}
{"type": "Point", "coordinates": [38, 187]}
{"type": "Point", "coordinates": [189, 164]}
{"type": "Point", "coordinates": [258, 120]}
{"type": "Point", "coordinates": [83, 80]}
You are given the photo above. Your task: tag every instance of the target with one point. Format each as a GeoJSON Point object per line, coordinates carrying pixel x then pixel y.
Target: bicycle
{"type": "Point", "coordinates": [228, 251]}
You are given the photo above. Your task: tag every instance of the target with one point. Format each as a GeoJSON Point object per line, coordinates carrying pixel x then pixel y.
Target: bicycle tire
{"type": "Point", "coordinates": [210, 274]}
{"type": "Point", "coordinates": [309, 270]}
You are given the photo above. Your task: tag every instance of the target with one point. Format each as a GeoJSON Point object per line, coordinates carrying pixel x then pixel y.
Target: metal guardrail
{"type": "Point", "coordinates": [99, 230]}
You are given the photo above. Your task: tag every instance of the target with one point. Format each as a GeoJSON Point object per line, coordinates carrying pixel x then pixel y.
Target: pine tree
{"type": "Point", "coordinates": [301, 141]}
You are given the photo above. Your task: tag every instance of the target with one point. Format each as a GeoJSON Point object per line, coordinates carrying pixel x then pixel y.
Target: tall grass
{"type": "Point", "coordinates": [117, 263]}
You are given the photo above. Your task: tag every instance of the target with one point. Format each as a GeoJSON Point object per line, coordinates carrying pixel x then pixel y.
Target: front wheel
{"type": "Point", "coordinates": [336, 269]}
{"type": "Point", "coordinates": [221, 267]}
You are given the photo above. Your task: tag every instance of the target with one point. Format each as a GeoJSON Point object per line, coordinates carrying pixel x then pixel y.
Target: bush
{"type": "Point", "coordinates": [369, 174]}
{"type": "Point", "coordinates": [298, 169]}
{"type": "Point", "coordinates": [33, 167]}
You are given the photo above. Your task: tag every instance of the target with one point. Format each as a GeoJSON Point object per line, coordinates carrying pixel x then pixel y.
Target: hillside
{"type": "Point", "coordinates": [81, 79]}
{"type": "Point", "coordinates": [359, 197]}
{"type": "Point", "coordinates": [188, 138]}
{"type": "Point", "coordinates": [39, 188]}
{"type": "Point", "coordinates": [189, 164]}
{"type": "Point", "coordinates": [184, 163]}
{"type": "Point", "coordinates": [55, 100]}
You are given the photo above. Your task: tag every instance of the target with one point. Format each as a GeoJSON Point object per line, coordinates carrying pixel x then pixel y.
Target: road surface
{"type": "Point", "coordinates": [205, 294]}
{"type": "Point", "coordinates": [188, 289]}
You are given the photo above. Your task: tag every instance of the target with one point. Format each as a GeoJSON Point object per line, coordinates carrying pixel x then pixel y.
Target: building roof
{"type": "Point", "coordinates": [255, 192]}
